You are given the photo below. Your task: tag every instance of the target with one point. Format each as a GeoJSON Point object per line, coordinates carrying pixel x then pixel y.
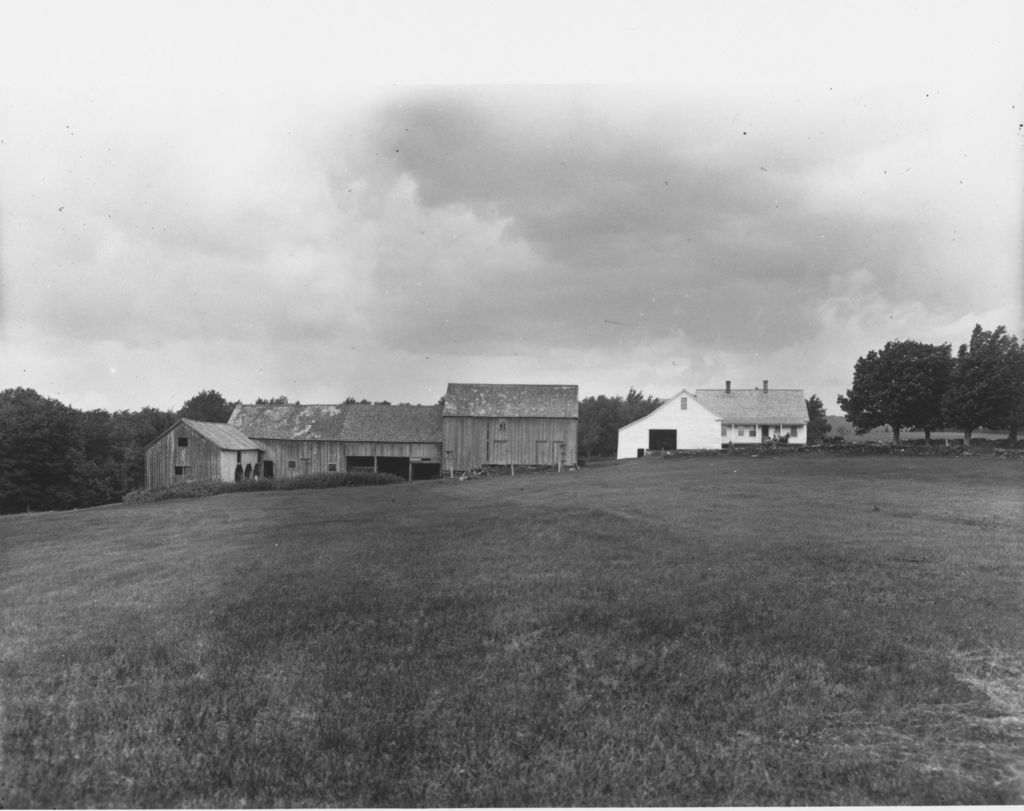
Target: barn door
{"type": "Point", "coordinates": [499, 452]}
{"type": "Point", "coordinates": [543, 456]}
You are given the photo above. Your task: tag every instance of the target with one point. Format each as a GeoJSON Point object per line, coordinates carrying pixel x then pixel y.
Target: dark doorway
{"type": "Point", "coordinates": [396, 465]}
{"type": "Point", "coordinates": [662, 440]}
{"type": "Point", "coordinates": [426, 470]}
{"type": "Point", "coordinates": [248, 472]}
{"type": "Point", "coordinates": [238, 473]}
{"type": "Point", "coordinates": [359, 464]}
{"type": "Point", "coordinates": [268, 469]}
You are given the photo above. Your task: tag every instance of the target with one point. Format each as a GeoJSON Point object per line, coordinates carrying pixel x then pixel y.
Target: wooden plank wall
{"type": "Point", "coordinates": [201, 456]}
{"type": "Point", "coordinates": [322, 453]}
{"type": "Point", "coordinates": [229, 461]}
{"type": "Point", "coordinates": [478, 441]}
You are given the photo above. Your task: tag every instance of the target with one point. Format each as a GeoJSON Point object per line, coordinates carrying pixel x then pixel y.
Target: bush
{"type": "Point", "coordinates": [313, 482]}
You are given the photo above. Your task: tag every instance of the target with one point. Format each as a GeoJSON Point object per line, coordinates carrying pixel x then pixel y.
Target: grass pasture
{"type": "Point", "coordinates": [732, 630]}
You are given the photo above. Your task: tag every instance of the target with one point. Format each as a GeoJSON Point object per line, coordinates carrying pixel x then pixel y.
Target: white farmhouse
{"type": "Point", "coordinates": [705, 419]}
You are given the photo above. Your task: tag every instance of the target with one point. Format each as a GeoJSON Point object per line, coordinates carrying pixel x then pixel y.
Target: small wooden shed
{"type": "Point", "coordinates": [496, 424]}
{"type": "Point", "coordinates": [191, 450]}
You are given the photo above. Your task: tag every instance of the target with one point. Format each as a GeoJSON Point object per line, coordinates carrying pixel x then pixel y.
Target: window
{"type": "Point", "coordinates": [502, 426]}
{"type": "Point", "coordinates": [752, 431]}
{"type": "Point", "coordinates": [794, 430]}
{"type": "Point", "coordinates": [332, 467]}
{"type": "Point", "coordinates": [682, 403]}
{"type": "Point", "coordinates": [725, 430]}
{"type": "Point", "coordinates": [182, 441]}
{"type": "Point", "coordinates": [291, 464]}
{"type": "Point", "coordinates": [182, 470]}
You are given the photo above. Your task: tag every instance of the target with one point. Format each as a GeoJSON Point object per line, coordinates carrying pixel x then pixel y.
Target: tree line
{"type": "Point", "coordinates": [53, 456]}
{"type": "Point", "coordinates": [56, 457]}
{"type": "Point", "coordinates": [924, 387]}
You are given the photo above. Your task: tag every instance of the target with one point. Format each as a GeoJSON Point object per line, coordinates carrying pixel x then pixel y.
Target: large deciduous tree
{"type": "Point", "coordinates": [207, 406]}
{"type": "Point", "coordinates": [987, 384]}
{"type": "Point", "coordinates": [900, 385]}
{"type": "Point", "coordinates": [818, 425]}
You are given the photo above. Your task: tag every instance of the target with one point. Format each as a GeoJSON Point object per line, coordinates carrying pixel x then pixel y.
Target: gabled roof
{"type": "Point", "coordinates": [501, 400]}
{"type": "Point", "coordinates": [356, 422]}
{"type": "Point", "coordinates": [222, 435]}
{"type": "Point", "coordinates": [752, 406]}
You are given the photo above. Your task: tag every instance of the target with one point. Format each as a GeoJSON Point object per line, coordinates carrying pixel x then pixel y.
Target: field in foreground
{"type": "Point", "coordinates": [690, 631]}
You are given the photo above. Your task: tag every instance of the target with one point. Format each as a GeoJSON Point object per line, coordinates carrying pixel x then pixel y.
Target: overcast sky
{"type": "Point", "coordinates": [375, 199]}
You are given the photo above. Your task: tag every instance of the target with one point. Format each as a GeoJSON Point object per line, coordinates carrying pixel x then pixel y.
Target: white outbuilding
{"type": "Point", "coordinates": [707, 419]}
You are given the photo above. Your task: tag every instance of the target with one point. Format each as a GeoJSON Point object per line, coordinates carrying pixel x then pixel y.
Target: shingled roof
{"type": "Point", "coordinates": [755, 406]}
{"type": "Point", "coordinates": [356, 422]}
{"type": "Point", "coordinates": [499, 400]}
{"type": "Point", "coordinates": [223, 436]}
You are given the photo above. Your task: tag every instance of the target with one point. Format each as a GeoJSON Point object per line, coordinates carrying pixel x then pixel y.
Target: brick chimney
{"type": "Point", "coordinates": [766, 387]}
{"type": "Point", "coordinates": [728, 386]}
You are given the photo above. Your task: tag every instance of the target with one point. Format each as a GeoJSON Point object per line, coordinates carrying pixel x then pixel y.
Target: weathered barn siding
{"type": "Point", "coordinates": [191, 451]}
{"type": "Point", "coordinates": [313, 439]}
{"type": "Point", "coordinates": [500, 424]}
{"type": "Point", "coordinates": [291, 457]}
{"type": "Point", "coordinates": [472, 442]}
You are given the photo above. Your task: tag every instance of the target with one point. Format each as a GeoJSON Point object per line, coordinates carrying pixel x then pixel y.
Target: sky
{"type": "Point", "coordinates": [330, 199]}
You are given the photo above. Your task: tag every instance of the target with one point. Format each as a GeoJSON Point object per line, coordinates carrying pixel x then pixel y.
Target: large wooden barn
{"type": "Point", "coordinates": [191, 450]}
{"type": "Point", "coordinates": [486, 424]}
{"type": "Point", "coordinates": [475, 426]}
{"type": "Point", "coordinates": [299, 440]}
{"type": "Point", "coordinates": [711, 418]}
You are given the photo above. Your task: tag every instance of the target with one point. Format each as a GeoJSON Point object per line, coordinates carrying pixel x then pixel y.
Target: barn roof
{"type": "Point", "coordinates": [355, 422]}
{"type": "Point", "coordinates": [742, 406]}
{"type": "Point", "coordinates": [222, 435]}
{"type": "Point", "coordinates": [500, 400]}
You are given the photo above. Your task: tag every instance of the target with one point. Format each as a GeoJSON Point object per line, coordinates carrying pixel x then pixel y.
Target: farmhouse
{"type": "Point", "coordinates": [190, 450]}
{"type": "Point", "coordinates": [711, 418]}
{"type": "Point", "coordinates": [487, 424]}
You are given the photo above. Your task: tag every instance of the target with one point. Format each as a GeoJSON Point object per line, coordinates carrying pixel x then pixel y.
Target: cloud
{"type": "Point", "coordinates": [382, 243]}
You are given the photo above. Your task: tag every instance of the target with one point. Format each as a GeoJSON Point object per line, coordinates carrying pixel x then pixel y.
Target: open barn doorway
{"type": "Point", "coordinates": [662, 439]}
{"type": "Point", "coordinates": [396, 465]}
{"type": "Point", "coordinates": [426, 470]}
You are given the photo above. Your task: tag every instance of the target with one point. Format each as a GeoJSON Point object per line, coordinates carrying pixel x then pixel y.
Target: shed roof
{"type": "Point", "coordinates": [743, 406]}
{"type": "Point", "coordinates": [223, 436]}
{"type": "Point", "coordinates": [511, 400]}
{"type": "Point", "coordinates": [355, 422]}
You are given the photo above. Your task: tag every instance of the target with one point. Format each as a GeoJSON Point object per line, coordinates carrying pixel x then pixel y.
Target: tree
{"type": "Point", "coordinates": [900, 385]}
{"type": "Point", "coordinates": [987, 384]}
{"type": "Point", "coordinates": [132, 432]}
{"type": "Point", "coordinates": [601, 417]}
{"type": "Point", "coordinates": [41, 452]}
{"type": "Point", "coordinates": [817, 423]}
{"type": "Point", "coordinates": [281, 400]}
{"type": "Point", "coordinates": [54, 457]}
{"type": "Point", "coordinates": [207, 406]}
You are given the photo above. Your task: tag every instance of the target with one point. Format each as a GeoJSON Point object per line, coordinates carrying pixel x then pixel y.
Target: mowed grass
{"type": "Point", "coordinates": [807, 629]}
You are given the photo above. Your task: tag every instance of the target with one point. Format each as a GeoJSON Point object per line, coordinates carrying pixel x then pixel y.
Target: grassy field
{"type": "Point", "coordinates": [806, 629]}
